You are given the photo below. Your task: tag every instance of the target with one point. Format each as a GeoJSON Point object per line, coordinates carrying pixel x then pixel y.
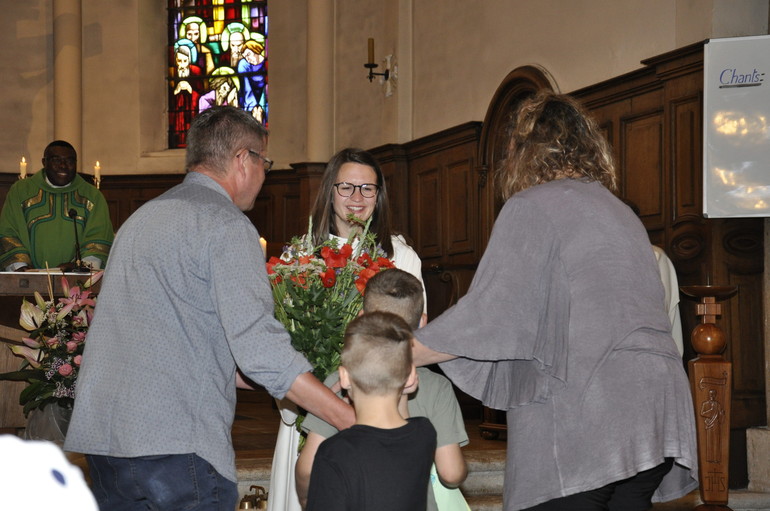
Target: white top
{"type": "Point", "coordinates": [405, 258]}
{"type": "Point", "coordinates": [671, 285]}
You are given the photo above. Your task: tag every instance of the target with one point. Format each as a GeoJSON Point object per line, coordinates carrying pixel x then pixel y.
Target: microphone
{"type": "Point", "coordinates": [79, 268]}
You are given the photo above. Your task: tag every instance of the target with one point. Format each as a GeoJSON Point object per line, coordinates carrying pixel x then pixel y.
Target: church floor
{"type": "Point", "coordinates": [256, 426]}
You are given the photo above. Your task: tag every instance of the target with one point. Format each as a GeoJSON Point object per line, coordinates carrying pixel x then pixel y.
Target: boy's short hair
{"type": "Point", "coordinates": [398, 292]}
{"type": "Point", "coordinates": [377, 352]}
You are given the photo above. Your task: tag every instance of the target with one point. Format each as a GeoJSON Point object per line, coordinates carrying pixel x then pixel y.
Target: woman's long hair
{"type": "Point", "coordinates": [552, 137]}
{"type": "Point", "coordinates": [323, 210]}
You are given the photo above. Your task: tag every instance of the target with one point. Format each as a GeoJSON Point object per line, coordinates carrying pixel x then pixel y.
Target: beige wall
{"type": "Point", "coordinates": [452, 55]}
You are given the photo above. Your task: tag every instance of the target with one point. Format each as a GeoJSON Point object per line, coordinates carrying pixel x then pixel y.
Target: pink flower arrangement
{"type": "Point", "coordinates": [53, 351]}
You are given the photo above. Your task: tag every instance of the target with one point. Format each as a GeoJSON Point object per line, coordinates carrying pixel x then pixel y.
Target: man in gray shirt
{"type": "Point", "coordinates": [185, 301]}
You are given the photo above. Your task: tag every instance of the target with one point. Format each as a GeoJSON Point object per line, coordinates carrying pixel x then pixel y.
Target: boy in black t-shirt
{"type": "Point", "coordinates": [384, 461]}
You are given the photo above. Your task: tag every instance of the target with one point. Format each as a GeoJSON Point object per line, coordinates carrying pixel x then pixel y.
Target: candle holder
{"type": "Point", "coordinates": [97, 182]}
{"type": "Point", "coordinates": [371, 65]}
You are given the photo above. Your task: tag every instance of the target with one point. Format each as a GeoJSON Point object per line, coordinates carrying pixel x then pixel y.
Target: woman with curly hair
{"type": "Point", "coordinates": [564, 327]}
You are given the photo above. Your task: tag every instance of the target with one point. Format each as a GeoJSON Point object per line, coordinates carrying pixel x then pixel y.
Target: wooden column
{"type": "Point", "coordinates": [711, 384]}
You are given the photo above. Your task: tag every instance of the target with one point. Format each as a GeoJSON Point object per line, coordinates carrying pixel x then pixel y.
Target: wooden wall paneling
{"type": "Point", "coordinates": [427, 210]}
{"type": "Point", "coordinates": [262, 214]}
{"type": "Point", "coordinates": [686, 155]}
{"type": "Point", "coordinates": [443, 194]}
{"type": "Point", "coordinates": [740, 265]}
{"type": "Point", "coordinates": [6, 180]}
{"type": "Point", "coordinates": [395, 167]}
{"type": "Point", "coordinates": [116, 215]}
{"type": "Point", "coordinates": [291, 224]}
{"type": "Point", "coordinates": [278, 214]}
{"type": "Point", "coordinates": [460, 207]}
{"type": "Point", "coordinates": [641, 169]}
{"type": "Point", "coordinates": [306, 178]}
{"type": "Point", "coordinates": [126, 193]}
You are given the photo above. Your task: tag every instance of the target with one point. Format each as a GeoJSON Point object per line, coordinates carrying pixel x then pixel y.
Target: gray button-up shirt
{"type": "Point", "coordinates": [185, 298]}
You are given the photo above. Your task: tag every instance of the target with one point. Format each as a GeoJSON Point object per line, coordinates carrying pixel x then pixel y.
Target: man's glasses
{"type": "Point", "coordinates": [57, 160]}
{"type": "Point", "coordinates": [368, 190]}
{"type": "Point", "coordinates": [267, 161]}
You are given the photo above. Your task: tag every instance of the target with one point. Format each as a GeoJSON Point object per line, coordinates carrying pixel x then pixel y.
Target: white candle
{"type": "Point", "coordinates": [23, 168]}
{"type": "Point", "coordinates": [97, 170]}
{"type": "Point", "coordinates": [263, 244]}
{"type": "Point", "coordinates": [371, 51]}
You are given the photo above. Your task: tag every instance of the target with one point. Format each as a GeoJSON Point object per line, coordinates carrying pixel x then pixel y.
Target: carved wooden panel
{"type": "Point", "coordinates": [393, 162]}
{"type": "Point", "coordinates": [459, 207]}
{"type": "Point", "coordinates": [443, 191]}
{"type": "Point", "coordinates": [741, 242]}
{"type": "Point", "coordinates": [686, 155]}
{"type": "Point", "coordinates": [427, 220]}
{"type": "Point", "coordinates": [641, 166]}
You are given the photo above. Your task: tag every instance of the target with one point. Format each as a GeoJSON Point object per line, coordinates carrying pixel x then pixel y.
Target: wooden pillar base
{"type": "Point", "coordinates": [711, 384]}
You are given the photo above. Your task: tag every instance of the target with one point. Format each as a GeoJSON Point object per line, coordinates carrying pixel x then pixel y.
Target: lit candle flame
{"type": "Point", "coordinates": [263, 244]}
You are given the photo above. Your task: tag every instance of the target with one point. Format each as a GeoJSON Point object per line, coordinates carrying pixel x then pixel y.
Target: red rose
{"type": "Point", "coordinates": [335, 260]}
{"type": "Point", "coordinates": [300, 279]}
{"type": "Point", "coordinates": [271, 264]}
{"type": "Point", "coordinates": [328, 278]}
{"type": "Point", "coordinates": [368, 273]}
{"type": "Point", "coordinates": [364, 260]}
{"type": "Point", "coordinates": [346, 251]}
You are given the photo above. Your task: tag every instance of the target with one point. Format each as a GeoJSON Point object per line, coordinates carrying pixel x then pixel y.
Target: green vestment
{"type": "Point", "coordinates": [35, 227]}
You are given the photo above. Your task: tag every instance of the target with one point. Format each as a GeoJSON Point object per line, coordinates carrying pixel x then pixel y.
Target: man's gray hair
{"type": "Point", "coordinates": [216, 133]}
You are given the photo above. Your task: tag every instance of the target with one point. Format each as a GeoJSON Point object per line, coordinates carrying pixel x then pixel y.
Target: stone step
{"type": "Point", "coordinates": [740, 500]}
{"type": "Point", "coordinates": [485, 473]}
{"type": "Point", "coordinates": [485, 502]}
{"type": "Point", "coordinates": [484, 485]}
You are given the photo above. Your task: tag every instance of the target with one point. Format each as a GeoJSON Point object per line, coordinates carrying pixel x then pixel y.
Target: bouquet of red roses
{"type": "Point", "coordinates": [318, 290]}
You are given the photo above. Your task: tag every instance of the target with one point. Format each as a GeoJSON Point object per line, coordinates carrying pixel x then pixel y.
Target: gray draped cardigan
{"type": "Point", "coordinates": [564, 327]}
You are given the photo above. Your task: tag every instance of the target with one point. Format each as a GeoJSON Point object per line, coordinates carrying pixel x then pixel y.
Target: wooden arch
{"type": "Point", "coordinates": [520, 83]}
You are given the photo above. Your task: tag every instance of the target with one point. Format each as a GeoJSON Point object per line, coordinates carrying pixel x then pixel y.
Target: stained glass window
{"type": "Point", "coordinates": [217, 55]}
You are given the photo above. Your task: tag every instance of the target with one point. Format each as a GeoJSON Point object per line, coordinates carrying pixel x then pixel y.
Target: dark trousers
{"type": "Point", "coordinates": [633, 494]}
{"type": "Point", "coordinates": [160, 483]}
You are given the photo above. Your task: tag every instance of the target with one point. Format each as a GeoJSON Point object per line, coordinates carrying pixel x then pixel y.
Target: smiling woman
{"type": "Point", "coordinates": [352, 185]}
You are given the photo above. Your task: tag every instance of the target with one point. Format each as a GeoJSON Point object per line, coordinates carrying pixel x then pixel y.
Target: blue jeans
{"type": "Point", "coordinates": [160, 483]}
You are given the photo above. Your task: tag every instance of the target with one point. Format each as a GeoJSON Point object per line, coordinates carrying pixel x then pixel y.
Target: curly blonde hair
{"type": "Point", "coordinates": [552, 137]}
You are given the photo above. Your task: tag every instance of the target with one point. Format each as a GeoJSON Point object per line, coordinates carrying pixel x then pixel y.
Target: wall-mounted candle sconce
{"type": "Point", "coordinates": [371, 65]}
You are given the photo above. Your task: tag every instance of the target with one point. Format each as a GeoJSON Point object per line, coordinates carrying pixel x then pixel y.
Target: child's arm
{"type": "Point", "coordinates": [439, 404]}
{"type": "Point", "coordinates": [450, 462]}
{"type": "Point", "coordinates": [450, 465]}
{"type": "Point", "coordinates": [305, 465]}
